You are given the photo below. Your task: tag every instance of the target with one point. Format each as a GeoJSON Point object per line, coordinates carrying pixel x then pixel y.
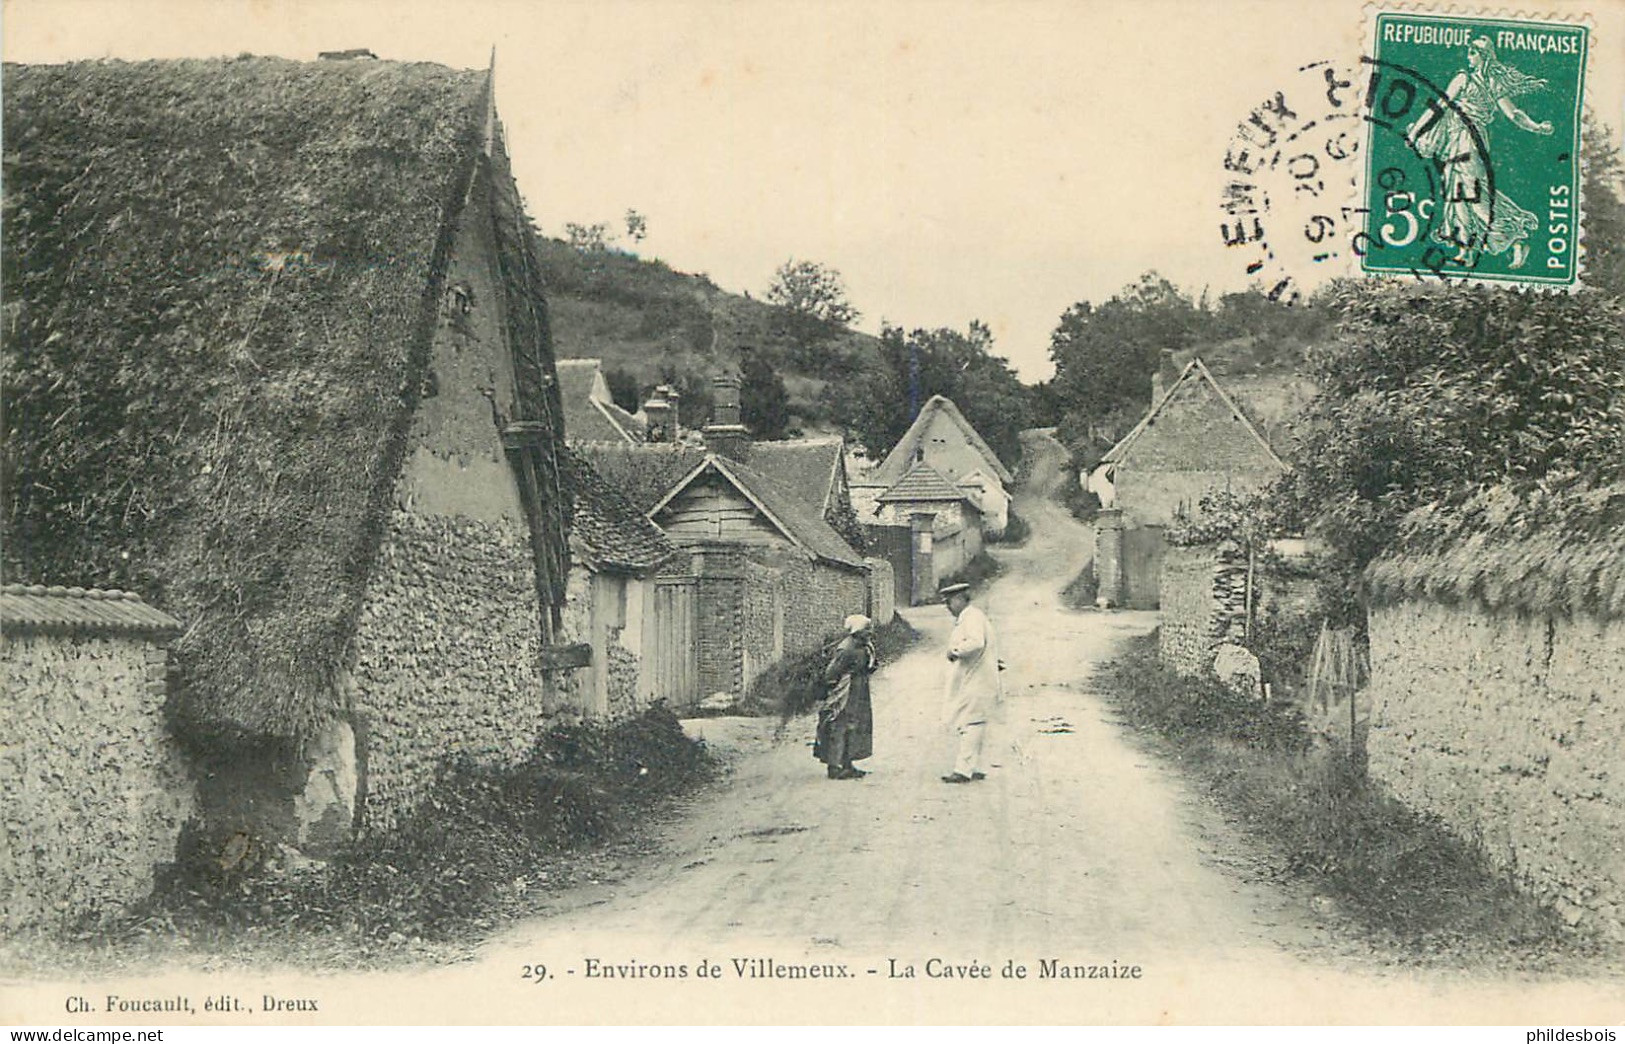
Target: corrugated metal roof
{"type": "Point", "coordinates": [33, 609]}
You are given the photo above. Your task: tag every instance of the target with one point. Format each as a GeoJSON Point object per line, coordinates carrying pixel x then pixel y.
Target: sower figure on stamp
{"type": "Point", "coordinates": [1471, 217]}
{"type": "Point", "coordinates": [846, 717]}
{"type": "Point", "coordinates": [974, 685]}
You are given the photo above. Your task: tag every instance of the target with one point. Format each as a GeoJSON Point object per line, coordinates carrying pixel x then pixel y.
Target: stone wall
{"type": "Point", "coordinates": [822, 596]}
{"type": "Point", "coordinates": [1185, 641]}
{"type": "Point", "coordinates": [882, 591]}
{"type": "Point", "coordinates": [447, 658]}
{"type": "Point", "coordinates": [1157, 497]}
{"type": "Point", "coordinates": [93, 790]}
{"type": "Point", "coordinates": [1510, 729]}
{"type": "Point", "coordinates": [1203, 591]}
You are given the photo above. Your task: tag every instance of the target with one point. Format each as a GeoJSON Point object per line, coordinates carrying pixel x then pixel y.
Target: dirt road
{"type": "Point", "coordinates": [1077, 846]}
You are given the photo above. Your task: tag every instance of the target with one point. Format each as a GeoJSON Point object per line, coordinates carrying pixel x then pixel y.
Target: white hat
{"type": "Point", "coordinates": [856, 623]}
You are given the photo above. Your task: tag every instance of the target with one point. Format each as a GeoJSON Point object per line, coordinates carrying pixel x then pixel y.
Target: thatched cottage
{"type": "Point", "coordinates": [942, 438]}
{"type": "Point", "coordinates": [278, 360]}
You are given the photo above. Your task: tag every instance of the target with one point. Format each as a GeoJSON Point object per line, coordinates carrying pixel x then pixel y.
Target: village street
{"type": "Point", "coordinates": [1078, 846]}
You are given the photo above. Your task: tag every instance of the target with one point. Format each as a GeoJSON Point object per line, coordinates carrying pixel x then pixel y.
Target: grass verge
{"type": "Point", "coordinates": [1401, 874]}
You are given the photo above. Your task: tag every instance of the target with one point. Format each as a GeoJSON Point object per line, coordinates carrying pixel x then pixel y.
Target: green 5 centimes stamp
{"type": "Point", "coordinates": [1472, 166]}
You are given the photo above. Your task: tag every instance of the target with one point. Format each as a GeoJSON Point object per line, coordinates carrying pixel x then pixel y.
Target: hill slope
{"type": "Point", "coordinates": [657, 324]}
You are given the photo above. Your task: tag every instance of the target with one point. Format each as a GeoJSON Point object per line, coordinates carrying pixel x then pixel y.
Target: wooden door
{"type": "Point", "coordinates": [675, 635]}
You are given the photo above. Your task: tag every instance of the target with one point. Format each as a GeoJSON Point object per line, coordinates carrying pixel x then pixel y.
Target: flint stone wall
{"type": "Point", "coordinates": [448, 658]}
{"type": "Point", "coordinates": [1190, 610]}
{"type": "Point", "coordinates": [93, 790]}
{"type": "Point", "coordinates": [1510, 729]}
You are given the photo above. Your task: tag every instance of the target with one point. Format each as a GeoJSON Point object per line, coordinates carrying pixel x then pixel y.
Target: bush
{"type": "Point", "coordinates": [978, 573]}
{"type": "Point", "coordinates": [1016, 532]}
{"type": "Point", "coordinates": [1177, 706]}
{"type": "Point", "coordinates": [795, 684]}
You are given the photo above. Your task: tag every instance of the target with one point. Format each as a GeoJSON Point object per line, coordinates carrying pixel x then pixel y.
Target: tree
{"type": "Point", "coordinates": [764, 404]}
{"type": "Point", "coordinates": [882, 400]}
{"type": "Point", "coordinates": [637, 226]}
{"type": "Point", "coordinates": [1603, 184]}
{"type": "Point", "coordinates": [812, 291]}
{"type": "Point", "coordinates": [623, 388]}
{"type": "Point", "coordinates": [1104, 357]}
{"type": "Point", "coordinates": [588, 238]}
{"type": "Point", "coordinates": [1434, 392]}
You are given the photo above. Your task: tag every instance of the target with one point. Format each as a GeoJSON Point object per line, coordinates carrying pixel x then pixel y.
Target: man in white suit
{"type": "Point", "coordinates": [974, 687]}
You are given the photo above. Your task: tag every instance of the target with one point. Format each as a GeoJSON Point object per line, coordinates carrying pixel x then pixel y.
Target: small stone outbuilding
{"type": "Point", "coordinates": [93, 788]}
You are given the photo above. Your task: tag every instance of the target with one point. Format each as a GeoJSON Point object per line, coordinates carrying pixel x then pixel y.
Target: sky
{"type": "Point", "coordinates": [953, 160]}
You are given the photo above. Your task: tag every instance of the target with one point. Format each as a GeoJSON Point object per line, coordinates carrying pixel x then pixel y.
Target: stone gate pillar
{"type": "Point", "coordinates": [1109, 556]}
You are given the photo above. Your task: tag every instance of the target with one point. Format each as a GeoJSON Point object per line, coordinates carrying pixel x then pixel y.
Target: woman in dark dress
{"type": "Point", "coordinates": [845, 717]}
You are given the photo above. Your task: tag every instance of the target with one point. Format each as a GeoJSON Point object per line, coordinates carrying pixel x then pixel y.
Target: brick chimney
{"type": "Point", "coordinates": [725, 435]}
{"type": "Point", "coordinates": [674, 400]}
{"type": "Point", "coordinates": [661, 414]}
{"type": "Point", "coordinates": [1167, 373]}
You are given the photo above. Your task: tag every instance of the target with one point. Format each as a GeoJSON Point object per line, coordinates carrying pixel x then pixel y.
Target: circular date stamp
{"type": "Point", "coordinates": [1435, 157]}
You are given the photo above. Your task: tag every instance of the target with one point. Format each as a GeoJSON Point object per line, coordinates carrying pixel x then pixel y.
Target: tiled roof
{"type": "Point", "coordinates": [922, 482]}
{"type": "Point", "coordinates": [1194, 371]}
{"type": "Point", "coordinates": [76, 610]}
{"type": "Point", "coordinates": [585, 418]}
{"type": "Point", "coordinates": [643, 473]}
{"type": "Point", "coordinates": [896, 462]}
{"type": "Point", "coordinates": [804, 468]}
{"type": "Point", "coordinates": [803, 526]}
{"type": "Point", "coordinates": [607, 531]}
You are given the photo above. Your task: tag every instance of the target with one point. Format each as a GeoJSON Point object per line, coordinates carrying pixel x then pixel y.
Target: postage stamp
{"type": "Point", "coordinates": [1449, 151]}
{"type": "Point", "coordinates": [1473, 153]}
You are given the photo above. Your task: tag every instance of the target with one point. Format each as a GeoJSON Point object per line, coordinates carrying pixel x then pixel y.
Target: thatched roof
{"type": "Point", "coordinates": [221, 281]}
{"type": "Point", "coordinates": [1553, 554]}
{"type": "Point", "coordinates": [902, 455]}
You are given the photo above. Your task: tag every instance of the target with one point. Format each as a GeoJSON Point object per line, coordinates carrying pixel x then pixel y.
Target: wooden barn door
{"type": "Point", "coordinates": [676, 641]}
{"type": "Point", "coordinates": [1142, 567]}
